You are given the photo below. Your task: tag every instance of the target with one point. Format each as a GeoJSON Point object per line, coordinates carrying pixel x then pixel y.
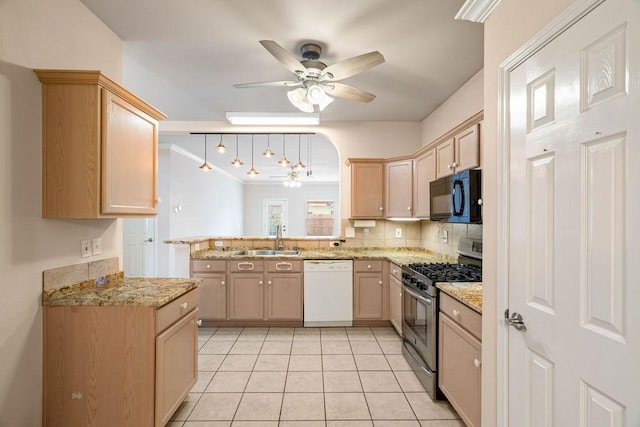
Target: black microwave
{"type": "Point", "coordinates": [457, 198]}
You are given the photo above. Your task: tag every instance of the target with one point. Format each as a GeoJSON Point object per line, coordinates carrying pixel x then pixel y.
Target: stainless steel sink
{"type": "Point", "coordinates": [268, 252]}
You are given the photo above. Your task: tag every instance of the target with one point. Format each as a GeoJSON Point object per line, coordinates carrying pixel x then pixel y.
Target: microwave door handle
{"type": "Point", "coordinates": [458, 183]}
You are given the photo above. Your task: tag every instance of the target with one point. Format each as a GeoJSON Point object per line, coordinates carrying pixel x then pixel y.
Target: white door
{"type": "Point", "coordinates": [275, 212]}
{"type": "Point", "coordinates": [573, 225]}
{"type": "Point", "coordinates": [139, 247]}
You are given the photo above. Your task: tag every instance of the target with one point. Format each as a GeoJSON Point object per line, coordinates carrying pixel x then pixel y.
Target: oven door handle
{"type": "Point", "coordinates": [418, 297]}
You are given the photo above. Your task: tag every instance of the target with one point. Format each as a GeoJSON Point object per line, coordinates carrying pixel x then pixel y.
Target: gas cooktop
{"type": "Point", "coordinates": [439, 272]}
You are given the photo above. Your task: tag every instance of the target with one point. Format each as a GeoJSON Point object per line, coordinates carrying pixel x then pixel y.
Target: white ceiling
{"type": "Point", "coordinates": [183, 57]}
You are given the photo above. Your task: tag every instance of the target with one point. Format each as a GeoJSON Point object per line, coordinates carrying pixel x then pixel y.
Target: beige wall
{"type": "Point", "coordinates": [464, 103]}
{"type": "Point", "coordinates": [38, 34]}
{"type": "Point", "coordinates": [511, 25]}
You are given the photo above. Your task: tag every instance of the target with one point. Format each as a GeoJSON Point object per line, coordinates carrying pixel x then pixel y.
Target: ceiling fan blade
{"type": "Point", "coordinates": [285, 58]}
{"type": "Point", "coordinates": [349, 92]}
{"type": "Point", "coordinates": [352, 66]}
{"type": "Point", "coordinates": [282, 83]}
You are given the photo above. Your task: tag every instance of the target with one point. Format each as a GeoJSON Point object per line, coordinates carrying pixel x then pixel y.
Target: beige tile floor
{"type": "Point", "coordinates": [308, 377]}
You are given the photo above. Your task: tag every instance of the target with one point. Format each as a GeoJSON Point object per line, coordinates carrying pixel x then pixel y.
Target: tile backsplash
{"type": "Point", "coordinates": [383, 235]}
{"type": "Point", "coordinates": [63, 277]}
{"type": "Point", "coordinates": [433, 235]}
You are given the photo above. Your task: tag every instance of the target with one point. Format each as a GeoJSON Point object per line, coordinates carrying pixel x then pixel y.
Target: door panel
{"type": "Point", "coordinates": [572, 207]}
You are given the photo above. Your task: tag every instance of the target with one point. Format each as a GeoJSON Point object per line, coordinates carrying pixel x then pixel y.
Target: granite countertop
{"type": "Point", "coordinates": [468, 293]}
{"type": "Point", "coordinates": [400, 256]}
{"type": "Point", "coordinates": [143, 292]}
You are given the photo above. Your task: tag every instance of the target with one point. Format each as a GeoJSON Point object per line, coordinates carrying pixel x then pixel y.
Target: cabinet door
{"type": "Point", "coordinates": [395, 303]}
{"type": "Point", "coordinates": [367, 189]}
{"type": "Point", "coordinates": [246, 296]}
{"type": "Point", "coordinates": [425, 172]}
{"type": "Point", "coordinates": [176, 366]}
{"type": "Point", "coordinates": [399, 189]}
{"type": "Point", "coordinates": [284, 296]}
{"type": "Point", "coordinates": [129, 159]}
{"type": "Point", "coordinates": [459, 375]}
{"type": "Point", "coordinates": [444, 158]}
{"type": "Point", "coordinates": [368, 298]}
{"type": "Point", "coordinates": [467, 149]}
{"type": "Point", "coordinates": [212, 297]}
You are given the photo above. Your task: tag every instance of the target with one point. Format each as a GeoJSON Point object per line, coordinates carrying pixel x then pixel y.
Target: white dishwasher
{"type": "Point", "coordinates": [328, 292]}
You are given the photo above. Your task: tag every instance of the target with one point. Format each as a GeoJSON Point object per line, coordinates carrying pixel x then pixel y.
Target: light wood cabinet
{"type": "Point", "coordinates": [370, 292]}
{"type": "Point", "coordinates": [367, 188]}
{"type": "Point", "coordinates": [265, 292]}
{"type": "Point", "coordinates": [459, 153]}
{"type": "Point", "coordinates": [424, 173]}
{"type": "Point", "coordinates": [100, 146]}
{"type": "Point", "coordinates": [399, 189]}
{"type": "Point", "coordinates": [118, 365]}
{"type": "Point", "coordinates": [395, 297]}
{"type": "Point", "coordinates": [212, 303]}
{"type": "Point", "coordinates": [460, 355]}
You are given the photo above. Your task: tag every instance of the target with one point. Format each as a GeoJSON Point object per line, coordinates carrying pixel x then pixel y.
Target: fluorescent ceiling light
{"type": "Point", "coordinates": [281, 119]}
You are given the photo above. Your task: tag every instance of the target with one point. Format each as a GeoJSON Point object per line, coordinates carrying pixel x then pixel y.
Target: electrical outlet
{"type": "Point", "coordinates": [445, 236]}
{"type": "Point", "coordinates": [219, 243]}
{"type": "Point", "coordinates": [350, 232]}
{"type": "Point", "coordinates": [85, 249]}
{"type": "Point", "coordinates": [399, 233]}
{"type": "Point", "coordinates": [96, 245]}
{"type": "Point", "coordinates": [196, 247]}
{"type": "Point", "coordinates": [365, 231]}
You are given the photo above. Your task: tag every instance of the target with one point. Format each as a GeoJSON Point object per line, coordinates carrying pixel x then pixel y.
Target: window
{"type": "Point", "coordinates": [320, 218]}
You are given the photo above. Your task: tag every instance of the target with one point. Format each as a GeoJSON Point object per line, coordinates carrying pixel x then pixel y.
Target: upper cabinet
{"type": "Point", "coordinates": [367, 188]}
{"type": "Point", "coordinates": [459, 153]}
{"type": "Point", "coordinates": [424, 172]}
{"type": "Point", "coordinates": [100, 145]}
{"type": "Point", "coordinates": [399, 189]}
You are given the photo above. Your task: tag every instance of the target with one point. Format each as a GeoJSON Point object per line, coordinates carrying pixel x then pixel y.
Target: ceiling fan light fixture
{"type": "Point", "coordinates": [298, 97]}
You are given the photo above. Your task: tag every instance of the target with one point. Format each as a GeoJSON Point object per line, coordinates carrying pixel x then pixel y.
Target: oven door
{"type": "Point", "coordinates": [419, 324]}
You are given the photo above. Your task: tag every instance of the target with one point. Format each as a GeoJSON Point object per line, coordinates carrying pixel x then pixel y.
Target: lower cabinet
{"type": "Point", "coordinates": [251, 292]}
{"type": "Point", "coordinates": [395, 297]}
{"type": "Point", "coordinates": [118, 365]}
{"type": "Point", "coordinates": [460, 355]}
{"type": "Point", "coordinates": [370, 292]}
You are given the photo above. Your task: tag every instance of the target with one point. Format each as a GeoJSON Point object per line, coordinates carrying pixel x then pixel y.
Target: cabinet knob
{"type": "Point", "coordinates": [208, 265]}
{"type": "Point", "coordinates": [260, 282]}
{"type": "Point", "coordinates": [476, 363]}
{"type": "Point", "coordinates": [479, 202]}
{"type": "Point", "coordinates": [222, 282]}
{"type": "Point", "coordinates": [184, 305]}
{"type": "Point", "coordinates": [199, 322]}
{"type": "Point", "coordinates": [381, 208]}
{"type": "Point", "coordinates": [449, 166]}
{"type": "Point", "coordinates": [454, 164]}
{"type": "Point", "coordinates": [379, 282]}
{"type": "Point", "coordinates": [395, 271]}
{"type": "Point", "coordinates": [369, 266]}
{"type": "Point", "coordinates": [455, 313]}
{"type": "Point", "coordinates": [268, 282]}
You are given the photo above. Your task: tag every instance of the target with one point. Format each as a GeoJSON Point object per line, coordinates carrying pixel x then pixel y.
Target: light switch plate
{"type": "Point", "coordinates": [85, 249]}
{"type": "Point", "coordinates": [399, 233]}
{"type": "Point", "coordinates": [350, 232]}
{"type": "Point", "coordinates": [219, 243]}
{"type": "Point", "coordinates": [96, 245]}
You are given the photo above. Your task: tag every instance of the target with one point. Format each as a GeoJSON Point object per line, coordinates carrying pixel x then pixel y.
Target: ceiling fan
{"type": "Point", "coordinates": [292, 178]}
{"type": "Point", "coordinates": [314, 80]}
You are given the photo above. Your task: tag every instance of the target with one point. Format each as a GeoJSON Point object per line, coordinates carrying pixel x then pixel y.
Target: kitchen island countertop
{"type": "Point", "coordinates": [141, 291]}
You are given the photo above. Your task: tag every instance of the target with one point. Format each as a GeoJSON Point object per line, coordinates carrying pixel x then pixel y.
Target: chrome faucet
{"type": "Point", "coordinates": [278, 243]}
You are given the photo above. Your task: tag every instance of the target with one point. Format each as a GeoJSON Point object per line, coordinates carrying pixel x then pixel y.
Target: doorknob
{"type": "Point", "coordinates": [149, 240]}
{"type": "Point", "coordinates": [516, 320]}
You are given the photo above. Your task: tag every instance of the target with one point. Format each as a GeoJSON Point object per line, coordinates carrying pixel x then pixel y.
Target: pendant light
{"type": "Point", "coordinates": [205, 166]}
{"type": "Point", "coordinates": [268, 153]}
{"type": "Point", "coordinates": [252, 171]}
{"type": "Point", "coordinates": [237, 162]}
{"type": "Point", "coordinates": [221, 147]}
{"type": "Point", "coordinates": [283, 161]}
{"type": "Point", "coordinates": [309, 171]}
{"type": "Point", "coordinates": [299, 165]}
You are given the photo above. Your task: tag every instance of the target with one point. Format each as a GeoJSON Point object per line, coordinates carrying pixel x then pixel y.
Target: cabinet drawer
{"type": "Point", "coordinates": [207, 265]}
{"type": "Point", "coordinates": [395, 271]}
{"type": "Point", "coordinates": [246, 265]}
{"type": "Point", "coordinates": [461, 314]}
{"type": "Point", "coordinates": [284, 266]}
{"type": "Point", "coordinates": [367, 265]}
{"type": "Point", "coordinates": [173, 311]}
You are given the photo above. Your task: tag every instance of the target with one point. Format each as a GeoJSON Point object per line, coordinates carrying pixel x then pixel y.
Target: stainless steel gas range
{"type": "Point", "coordinates": [420, 306]}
